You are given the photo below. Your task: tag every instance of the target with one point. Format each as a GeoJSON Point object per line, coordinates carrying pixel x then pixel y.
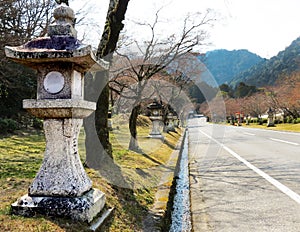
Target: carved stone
{"type": "Point", "coordinates": [61, 187]}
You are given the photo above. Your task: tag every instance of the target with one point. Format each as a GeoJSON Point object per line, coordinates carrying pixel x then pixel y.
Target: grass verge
{"type": "Point", "coordinates": [21, 156]}
{"type": "Point", "coordinates": [280, 127]}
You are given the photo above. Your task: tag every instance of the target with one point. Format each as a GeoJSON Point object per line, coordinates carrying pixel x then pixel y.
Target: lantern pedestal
{"type": "Point", "coordinates": [155, 131]}
{"type": "Point", "coordinates": [82, 208]}
{"type": "Point", "coordinates": [170, 124]}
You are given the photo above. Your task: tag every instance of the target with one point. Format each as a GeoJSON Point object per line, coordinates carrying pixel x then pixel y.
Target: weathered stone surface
{"type": "Point", "coordinates": [83, 208]}
{"type": "Point", "coordinates": [64, 14]}
{"type": "Point", "coordinates": [82, 57]}
{"type": "Point", "coordinates": [68, 43]}
{"type": "Point", "coordinates": [61, 187]}
{"type": "Point", "coordinates": [59, 108]}
{"type": "Point", "coordinates": [155, 131]}
{"type": "Point", "coordinates": [61, 173]}
{"type": "Point", "coordinates": [270, 122]}
{"type": "Point", "coordinates": [64, 22]}
{"type": "Point", "coordinates": [70, 79]}
{"type": "Point", "coordinates": [170, 124]}
{"type": "Point", "coordinates": [61, 45]}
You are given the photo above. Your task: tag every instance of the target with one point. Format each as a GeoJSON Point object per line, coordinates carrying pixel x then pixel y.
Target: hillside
{"type": "Point", "coordinates": [224, 64]}
{"type": "Point", "coordinates": [269, 71]}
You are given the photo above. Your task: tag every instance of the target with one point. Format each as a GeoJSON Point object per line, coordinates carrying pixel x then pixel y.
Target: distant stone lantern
{"type": "Point", "coordinates": [61, 187]}
{"type": "Point", "coordinates": [270, 122]}
{"type": "Point", "coordinates": [170, 122]}
{"type": "Point", "coordinates": [156, 111]}
{"type": "Point", "coordinates": [176, 121]}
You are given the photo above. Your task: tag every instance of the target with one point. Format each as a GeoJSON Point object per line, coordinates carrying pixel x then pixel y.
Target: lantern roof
{"type": "Point", "coordinates": [60, 45]}
{"type": "Point", "coordinates": [155, 105]}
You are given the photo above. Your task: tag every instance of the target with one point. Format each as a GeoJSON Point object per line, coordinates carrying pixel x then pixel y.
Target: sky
{"type": "Point", "coordinates": [264, 27]}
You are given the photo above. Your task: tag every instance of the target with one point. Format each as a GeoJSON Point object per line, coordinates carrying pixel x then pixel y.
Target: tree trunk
{"type": "Point", "coordinates": [133, 144]}
{"type": "Point", "coordinates": [96, 142]}
{"type": "Point", "coordinates": [101, 117]}
{"type": "Point", "coordinates": [94, 151]}
{"type": "Point", "coordinates": [97, 88]}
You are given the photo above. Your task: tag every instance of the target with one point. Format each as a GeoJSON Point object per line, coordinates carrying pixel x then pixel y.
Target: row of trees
{"type": "Point", "coordinates": [283, 97]}
{"type": "Point", "coordinates": [139, 64]}
{"type": "Point", "coordinates": [240, 91]}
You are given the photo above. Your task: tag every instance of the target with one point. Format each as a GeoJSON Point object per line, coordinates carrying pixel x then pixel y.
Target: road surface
{"type": "Point", "coordinates": [243, 179]}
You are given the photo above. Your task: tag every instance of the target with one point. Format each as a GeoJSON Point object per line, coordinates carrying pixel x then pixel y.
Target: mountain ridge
{"type": "Point", "coordinates": [269, 71]}
{"type": "Point", "coordinates": [224, 64]}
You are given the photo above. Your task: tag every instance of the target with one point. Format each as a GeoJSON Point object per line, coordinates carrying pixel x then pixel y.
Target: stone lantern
{"type": "Point", "coordinates": [61, 187]}
{"type": "Point", "coordinates": [156, 111]}
{"type": "Point", "coordinates": [170, 122]}
{"type": "Point", "coordinates": [176, 120]}
{"type": "Point", "coordinates": [248, 117]}
{"type": "Point", "coordinates": [270, 122]}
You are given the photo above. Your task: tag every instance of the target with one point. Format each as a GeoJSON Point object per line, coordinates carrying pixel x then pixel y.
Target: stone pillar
{"type": "Point", "coordinates": [53, 178]}
{"type": "Point", "coordinates": [61, 187]}
{"type": "Point", "coordinates": [270, 122]}
{"type": "Point", "coordinates": [170, 123]}
{"type": "Point", "coordinates": [155, 131]}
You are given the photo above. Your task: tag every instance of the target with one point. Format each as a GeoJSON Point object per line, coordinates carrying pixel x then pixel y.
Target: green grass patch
{"type": "Point", "coordinates": [280, 127]}
{"type": "Point", "coordinates": [20, 156]}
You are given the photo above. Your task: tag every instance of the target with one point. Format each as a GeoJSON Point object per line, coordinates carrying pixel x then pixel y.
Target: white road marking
{"type": "Point", "coordinates": [270, 179]}
{"type": "Point", "coordinates": [246, 133]}
{"type": "Point", "coordinates": [270, 131]}
{"type": "Point", "coordinates": [284, 141]}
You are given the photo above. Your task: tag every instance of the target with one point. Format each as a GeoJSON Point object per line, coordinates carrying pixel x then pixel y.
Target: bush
{"type": "Point", "coordinates": [37, 123]}
{"type": "Point", "coordinates": [28, 121]}
{"type": "Point", "coordinates": [8, 125]}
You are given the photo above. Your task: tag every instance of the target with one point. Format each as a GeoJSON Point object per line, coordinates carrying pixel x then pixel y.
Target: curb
{"type": "Point", "coordinates": [153, 221]}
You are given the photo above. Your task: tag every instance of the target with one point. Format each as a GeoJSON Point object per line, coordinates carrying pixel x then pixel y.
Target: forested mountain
{"type": "Point", "coordinates": [224, 64]}
{"type": "Point", "coordinates": [269, 71]}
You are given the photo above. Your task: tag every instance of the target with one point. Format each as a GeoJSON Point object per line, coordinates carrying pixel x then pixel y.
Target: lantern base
{"type": "Point", "coordinates": [83, 208]}
{"type": "Point", "coordinates": [155, 136]}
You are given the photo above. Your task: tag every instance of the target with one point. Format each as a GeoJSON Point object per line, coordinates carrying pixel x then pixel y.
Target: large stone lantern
{"type": "Point", "coordinates": [156, 111]}
{"type": "Point", "coordinates": [61, 187]}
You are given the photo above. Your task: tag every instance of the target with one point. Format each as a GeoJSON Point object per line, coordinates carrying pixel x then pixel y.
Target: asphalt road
{"type": "Point", "coordinates": [243, 179]}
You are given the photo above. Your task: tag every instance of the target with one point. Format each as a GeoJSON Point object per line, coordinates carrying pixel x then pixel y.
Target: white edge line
{"type": "Point", "coordinates": [265, 130]}
{"type": "Point", "coordinates": [246, 133]}
{"type": "Point", "coordinates": [284, 141]}
{"type": "Point", "coordinates": [270, 179]}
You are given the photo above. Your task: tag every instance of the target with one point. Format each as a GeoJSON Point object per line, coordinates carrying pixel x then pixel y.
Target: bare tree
{"type": "Point", "coordinates": [286, 95]}
{"type": "Point", "coordinates": [150, 57]}
{"type": "Point", "coordinates": [256, 105]}
{"type": "Point", "coordinates": [20, 21]}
